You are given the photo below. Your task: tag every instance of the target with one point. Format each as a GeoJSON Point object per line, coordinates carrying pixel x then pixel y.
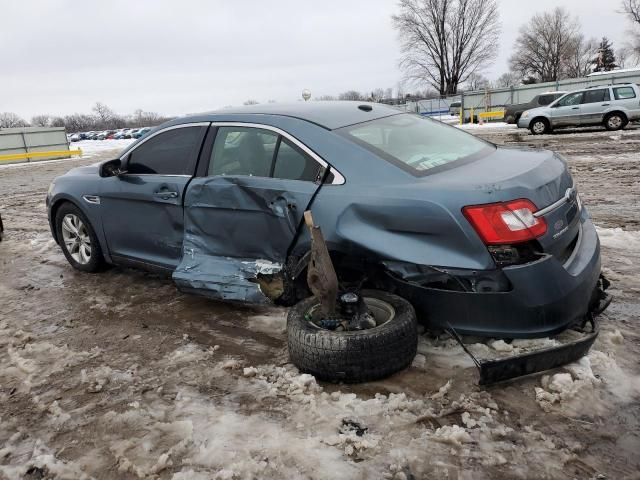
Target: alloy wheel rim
{"type": "Point", "coordinates": [538, 127]}
{"type": "Point", "coordinates": [615, 122]}
{"type": "Point", "coordinates": [76, 239]}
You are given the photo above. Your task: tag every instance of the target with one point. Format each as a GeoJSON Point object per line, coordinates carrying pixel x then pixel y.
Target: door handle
{"type": "Point", "coordinates": [575, 108]}
{"type": "Point", "coordinates": [166, 195]}
{"type": "Point", "coordinates": [606, 104]}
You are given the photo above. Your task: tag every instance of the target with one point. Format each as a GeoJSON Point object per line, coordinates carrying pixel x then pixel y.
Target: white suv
{"type": "Point", "coordinates": [610, 105]}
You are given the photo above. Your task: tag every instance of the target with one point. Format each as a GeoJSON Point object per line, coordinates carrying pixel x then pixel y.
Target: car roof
{"type": "Point", "coordinates": [327, 114]}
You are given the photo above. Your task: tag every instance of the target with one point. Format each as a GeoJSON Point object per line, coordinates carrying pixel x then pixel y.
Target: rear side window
{"type": "Point", "coordinates": [623, 93]}
{"type": "Point", "coordinates": [260, 153]}
{"type": "Point", "coordinates": [169, 153]}
{"type": "Point", "coordinates": [415, 144]}
{"type": "Point", "coordinates": [545, 99]}
{"type": "Point", "coordinates": [595, 96]}
{"type": "Point", "coordinates": [292, 164]}
{"type": "Point", "coordinates": [243, 151]}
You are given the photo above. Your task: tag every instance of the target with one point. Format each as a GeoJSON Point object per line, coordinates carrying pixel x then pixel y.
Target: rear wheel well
{"type": "Point", "coordinates": [617, 112]}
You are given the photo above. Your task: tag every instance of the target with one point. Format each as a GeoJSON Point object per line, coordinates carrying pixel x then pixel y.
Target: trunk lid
{"type": "Point", "coordinates": [513, 173]}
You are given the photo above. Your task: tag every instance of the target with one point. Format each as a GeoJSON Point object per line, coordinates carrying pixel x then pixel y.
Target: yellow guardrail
{"type": "Point", "coordinates": [494, 114]}
{"type": "Point", "coordinates": [51, 153]}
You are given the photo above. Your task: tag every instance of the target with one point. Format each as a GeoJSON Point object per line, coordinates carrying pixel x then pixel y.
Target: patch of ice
{"type": "Point", "coordinates": [501, 346]}
{"type": "Point", "coordinates": [452, 434]}
{"type": "Point", "coordinates": [442, 391]}
{"type": "Point", "coordinates": [620, 239]}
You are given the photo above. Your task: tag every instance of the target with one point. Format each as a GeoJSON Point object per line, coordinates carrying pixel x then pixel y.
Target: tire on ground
{"type": "Point", "coordinates": [96, 262]}
{"type": "Point", "coordinates": [620, 123]}
{"type": "Point", "coordinates": [356, 356]}
{"type": "Point", "coordinates": [535, 130]}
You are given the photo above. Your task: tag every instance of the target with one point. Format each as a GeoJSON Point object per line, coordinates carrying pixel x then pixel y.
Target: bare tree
{"type": "Point", "coordinates": [351, 95]}
{"type": "Point", "coordinates": [377, 94]}
{"type": "Point", "coordinates": [105, 114]}
{"type": "Point", "coordinates": [141, 118]}
{"type": "Point", "coordinates": [580, 54]}
{"type": "Point", "coordinates": [623, 54]}
{"type": "Point", "coordinates": [444, 41]}
{"type": "Point", "coordinates": [508, 79]}
{"type": "Point", "coordinates": [632, 9]}
{"type": "Point", "coordinates": [477, 81]}
{"type": "Point", "coordinates": [11, 120]}
{"type": "Point", "coordinates": [41, 120]}
{"type": "Point", "coordinates": [544, 44]}
{"type": "Point", "coordinates": [325, 98]}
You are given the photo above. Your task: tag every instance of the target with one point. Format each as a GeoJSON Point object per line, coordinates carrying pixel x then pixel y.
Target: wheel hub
{"type": "Point", "coordinates": [76, 239]}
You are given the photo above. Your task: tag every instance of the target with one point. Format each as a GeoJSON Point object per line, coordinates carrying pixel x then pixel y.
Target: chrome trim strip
{"type": "Point", "coordinates": [338, 179]}
{"type": "Point", "coordinates": [566, 198]}
{"type": "Point", "coordinates": [576, 248]}
{"type": "Point", "coordinates": [155, 175]}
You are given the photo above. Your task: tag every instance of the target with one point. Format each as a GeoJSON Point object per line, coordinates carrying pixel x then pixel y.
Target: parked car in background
{"type": "Point", "coordinates": [454, 108]}
{"type": "Point", "coordinates": [512, 113]}
{"type": "Point", "coordinates": [140, 132]}
{"type": "Point", "coordinates": [612, 106]}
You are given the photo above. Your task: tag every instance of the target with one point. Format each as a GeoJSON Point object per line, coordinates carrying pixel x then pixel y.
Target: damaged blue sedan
{"type": "Point", "coordinates": [476, 239]}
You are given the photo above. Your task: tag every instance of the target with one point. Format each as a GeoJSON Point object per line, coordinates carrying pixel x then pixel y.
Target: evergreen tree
{"type": "Point", "coordinates": [605, 60]}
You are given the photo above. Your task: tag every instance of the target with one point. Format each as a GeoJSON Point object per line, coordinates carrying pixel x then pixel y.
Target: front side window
{"type": "Point", "coordinates": [173, 152]}
{"type": "Point", "coordinates": [416, 144]}
{"type": "Point", "coordinates": [595, 96]}
{"type": "Point", "coordinates": [623, 93]}
{"type": "Point", "coordinates": [571, 99]}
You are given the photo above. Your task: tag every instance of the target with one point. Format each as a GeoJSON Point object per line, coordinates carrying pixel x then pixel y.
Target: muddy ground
{"type": "Point", "coordinates": [118, 375]}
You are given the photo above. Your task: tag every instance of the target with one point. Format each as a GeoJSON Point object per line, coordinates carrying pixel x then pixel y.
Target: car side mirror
{"type": "Point", "coordinates": [112, 168]}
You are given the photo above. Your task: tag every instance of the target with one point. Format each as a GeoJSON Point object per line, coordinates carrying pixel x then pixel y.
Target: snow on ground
{"type": "Point", "coordinates": [489, 125]}
{"type": "Point", "coordinates": [93, 147]}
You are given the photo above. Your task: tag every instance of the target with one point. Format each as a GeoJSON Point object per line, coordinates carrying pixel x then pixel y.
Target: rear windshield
{"type": "Point", "coordinates": [416, 144]}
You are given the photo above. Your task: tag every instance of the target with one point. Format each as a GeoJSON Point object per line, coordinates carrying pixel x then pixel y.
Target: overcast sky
{"type": "Point", "coordinates": [180, 56]}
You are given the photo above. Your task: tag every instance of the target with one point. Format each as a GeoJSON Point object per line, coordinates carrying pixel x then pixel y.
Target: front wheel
{"type": "Point", "coordinates": [77, 239]}
{"type": "Point", "coordinates": [354, 356]}
{"type": "Point", "coordinates": [539, 126]}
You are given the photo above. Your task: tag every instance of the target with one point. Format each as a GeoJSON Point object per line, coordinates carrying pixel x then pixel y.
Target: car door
{"type": "Point", "coordinates": [566, 111]}
{"type": "Point", "coordinates": [243, 214]}
{"type": "Point", "coordinates": [142, 208]}
{"type": "Point", "coordinates": [595, 103]}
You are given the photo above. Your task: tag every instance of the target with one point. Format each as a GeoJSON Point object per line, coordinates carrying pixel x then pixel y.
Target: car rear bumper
{"type": "Point", "coordinates": [546, 297]}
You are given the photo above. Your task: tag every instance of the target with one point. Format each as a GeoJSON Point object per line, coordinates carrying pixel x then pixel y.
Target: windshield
{"type": "Point", "coordinates": [414, 143]}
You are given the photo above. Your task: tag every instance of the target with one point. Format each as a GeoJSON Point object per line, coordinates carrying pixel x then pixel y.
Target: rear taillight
{"type": "Point", "coordinates": [506, 222]}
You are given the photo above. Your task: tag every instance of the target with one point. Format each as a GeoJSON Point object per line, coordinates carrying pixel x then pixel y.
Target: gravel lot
{"type": "Point", "coordinates": [119, 375]}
